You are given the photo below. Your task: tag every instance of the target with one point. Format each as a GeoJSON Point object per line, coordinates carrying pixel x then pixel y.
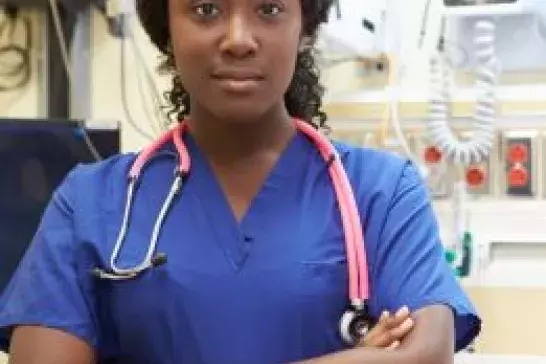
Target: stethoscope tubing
{"type": "Point", "coordinates": [354, 241]}
{"type": "Point", "coordinates": [356, 257]}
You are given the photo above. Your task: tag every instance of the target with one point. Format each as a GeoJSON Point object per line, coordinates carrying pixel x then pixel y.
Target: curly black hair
{"type": "Point", "coordinates": [303, 98]}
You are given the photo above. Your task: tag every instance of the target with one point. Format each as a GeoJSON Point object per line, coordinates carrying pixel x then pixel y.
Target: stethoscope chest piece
{"type": "Point", "coordinates": [354, 325]}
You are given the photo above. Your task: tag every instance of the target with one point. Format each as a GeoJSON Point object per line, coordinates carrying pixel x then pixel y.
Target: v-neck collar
{"type": "Point", "coordinates": [233, 237]}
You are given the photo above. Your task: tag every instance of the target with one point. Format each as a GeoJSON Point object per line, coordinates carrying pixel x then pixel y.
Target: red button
{"type": "Point", "coordinates": [518, 153]}
{"type": "Point", "coordinates": [433, 155]}
{"type": "Point", "coordinates": [475, 176]}
{"type": "Point", "coordinates": [518, 177]}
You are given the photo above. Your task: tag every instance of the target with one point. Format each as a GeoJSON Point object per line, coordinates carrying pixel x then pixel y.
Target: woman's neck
{"type": "Point", "coordinates": [224, 141]}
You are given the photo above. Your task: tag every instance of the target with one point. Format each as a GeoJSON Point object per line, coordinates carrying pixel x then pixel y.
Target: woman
{"type": "Point", "coordinates": [257, 267]}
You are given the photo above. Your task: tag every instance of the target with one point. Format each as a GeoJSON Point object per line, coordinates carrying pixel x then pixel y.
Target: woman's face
{"type": "Point", "coordinates": [236, 58]}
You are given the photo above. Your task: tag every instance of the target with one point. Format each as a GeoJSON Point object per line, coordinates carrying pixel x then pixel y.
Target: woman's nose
{"type": "Point", "coordinates": [239, 41]}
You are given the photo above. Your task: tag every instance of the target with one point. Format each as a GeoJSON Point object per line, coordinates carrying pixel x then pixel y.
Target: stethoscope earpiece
{"type": "Point", "coordinates": [354, 325]}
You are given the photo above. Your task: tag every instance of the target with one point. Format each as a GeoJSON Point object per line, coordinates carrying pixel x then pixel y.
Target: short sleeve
{"type": "Point", "coordinates": [409, 267]}
{"type": "Point", "coordinates": [45, 290]}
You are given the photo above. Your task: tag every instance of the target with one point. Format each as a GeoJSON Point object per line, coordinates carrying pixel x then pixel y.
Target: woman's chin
{"type": "Point", "coordinates": [240, 113]}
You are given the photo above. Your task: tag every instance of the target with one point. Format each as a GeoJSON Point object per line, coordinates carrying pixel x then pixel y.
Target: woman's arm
{"type": "Point", "coordinates": [39, 345]}
{"type": "Point", "coordinates": [431, 341]}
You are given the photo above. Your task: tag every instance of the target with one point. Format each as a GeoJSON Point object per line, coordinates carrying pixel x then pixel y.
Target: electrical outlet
{"type": "Point", "coordinates": [520, 150]}
{"type": "Point", "coordinates": [479, 176]}
{"type": "Point", "coordinates": [439, 177]}
{"type": "Point", "coordinates": [478, 179]}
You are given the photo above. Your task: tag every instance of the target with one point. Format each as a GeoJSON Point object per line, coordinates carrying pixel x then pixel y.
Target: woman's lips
{"type": "Point", "coordinates": [238, 81]}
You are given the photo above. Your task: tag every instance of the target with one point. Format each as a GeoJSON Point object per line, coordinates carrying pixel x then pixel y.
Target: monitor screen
{"type": "Point", "coordinates": [35, 157]}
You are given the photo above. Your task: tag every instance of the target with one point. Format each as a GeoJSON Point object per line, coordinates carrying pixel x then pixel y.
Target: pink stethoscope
{"type": "Point", "coordinates": [355, 322]}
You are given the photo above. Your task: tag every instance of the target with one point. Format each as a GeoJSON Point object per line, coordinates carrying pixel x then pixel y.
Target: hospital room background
{"type": "Point", "coordinates": [457, 86]}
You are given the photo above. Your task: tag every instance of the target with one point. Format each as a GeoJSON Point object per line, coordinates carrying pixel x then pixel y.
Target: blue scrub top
{"type": "Point", "coordinates": [270, 289]}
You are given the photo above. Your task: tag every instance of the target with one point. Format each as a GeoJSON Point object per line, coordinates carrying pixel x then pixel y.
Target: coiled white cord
{"type": "Point", "coordinates": [479, 147]}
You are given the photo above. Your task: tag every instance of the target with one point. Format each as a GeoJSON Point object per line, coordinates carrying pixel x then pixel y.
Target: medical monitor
{"type": "Point", "coordinates": [35, 157]}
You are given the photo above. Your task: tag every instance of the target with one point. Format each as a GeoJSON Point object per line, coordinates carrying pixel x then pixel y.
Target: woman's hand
{"type": "Point", "coordinates": [389, 331]}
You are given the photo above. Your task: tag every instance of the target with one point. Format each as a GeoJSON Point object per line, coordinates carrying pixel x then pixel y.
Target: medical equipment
{"type": "Point", "coordinates": [354, 323]}
{"type": "Point", "coordinates": [15, 69]}
{"type": "Point", "coordinates": [355, 29]}
{"type": "Point", "coordinates": [476, 2]}
{"type": "Point", "coordinates": [70, 5]}
{"type": "Point", "coordinates": [36, 156]}
{"type": "Point", "coordinates": [487, 65]}
{"type": "Point", "coordinates": [516, 20]}
{"type": "Point", "coordinates": [478, 148]}
{"type": "Point", "coordinates": [492, 7]}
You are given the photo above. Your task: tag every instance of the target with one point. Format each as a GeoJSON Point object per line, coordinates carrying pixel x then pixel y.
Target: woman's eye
{"type": "Point", "coordinates": [207, 10]}
{"type": "Point", "coordinates": [270, 10]}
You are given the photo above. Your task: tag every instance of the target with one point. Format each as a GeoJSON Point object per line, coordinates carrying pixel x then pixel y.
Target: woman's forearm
{"type": "Point", "coordinates": [431, 341]}
{"type": "Point", "coordinates": [359, 356]}
{"type": "Point", "coordinates": [381, 356]}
